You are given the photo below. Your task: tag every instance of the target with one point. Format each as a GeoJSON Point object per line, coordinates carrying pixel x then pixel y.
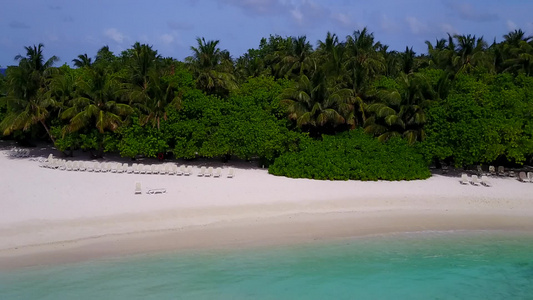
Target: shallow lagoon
{"type": "Point", "coordinates": [425, 265]}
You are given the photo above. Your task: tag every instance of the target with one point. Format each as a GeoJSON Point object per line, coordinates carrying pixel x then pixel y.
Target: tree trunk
{"type": "Point", "coordinates": [48, 131]}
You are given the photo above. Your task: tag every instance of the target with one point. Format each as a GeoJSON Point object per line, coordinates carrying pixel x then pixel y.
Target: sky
{"type": "Point", "coordinates": [68, 28]}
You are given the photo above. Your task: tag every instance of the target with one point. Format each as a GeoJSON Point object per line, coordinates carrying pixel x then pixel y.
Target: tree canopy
{"type": "Point", "coordinates": [464, 102]}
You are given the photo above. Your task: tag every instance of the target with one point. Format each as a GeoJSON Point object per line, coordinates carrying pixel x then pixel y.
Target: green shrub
{"type": "Point", "coordinates": [352, 155]}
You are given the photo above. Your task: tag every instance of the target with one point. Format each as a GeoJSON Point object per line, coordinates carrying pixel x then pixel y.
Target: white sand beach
{"type": "Point", "coordinates": [50, 216]}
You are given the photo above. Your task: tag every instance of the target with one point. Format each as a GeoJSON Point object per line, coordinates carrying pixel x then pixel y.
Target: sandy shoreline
{"type": "Point", "coordinates": [52, 216]}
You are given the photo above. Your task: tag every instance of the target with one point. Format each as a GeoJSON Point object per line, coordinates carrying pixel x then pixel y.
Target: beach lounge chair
{"type": "Point", "coordinates": [97, 167]}
{"type": "Point", "coordinates": [46, 163]}
{"type": "Point", "coordinates": [155, 169]}
{"type": "Point", "coordinates": [83, 166]}
{"type": "Point", "coordinates": [231, 173]}
{"type": "Point", "coordinates": [188, 171]}
{"type": "Point", "coordinates": [141, 169]}
{"type": "Point", "coordinates": [138, 189]}
{"type": "Point", "coordinates": [492, 170]}
{"type": "Point", "coordinates": [50, 163]}
{"type": "Point", "coordinates": [479, 170]}
{"type": "Point", "coordinates": [474, 180]}
{"type": "Point", "coordinates": [464, 179]}
{"type": "Point", "coordinates": [522, 177]}
{"type": "Point", "coordinates": [512, 174]}
{"type": "Point", "coordinates": [75, 166]}
{"type": "Point", "coordinates": [202, 172]}
{"type": "Point", "coordinates": [209, 172]}
{"type": "Point", "coordinates": [182, 170]}
{"type": "Point", "coordinates": [218, 172]}
{"type": "Point", "coordinates": [501, 171]}
{"type": "Point", "coordinates": [485, 181]}
{"type": "Point", "coordinates": [163, 169]}
{"type": "Point", "coordinates": [68, 166]}
{"type": "Point", "coordinates": [131, 169]}
{"type": "Point", "coordinates": [53, 163]}
{"type": "Point", "coordinates": [172, 168]}
{"type": "Point", "coordinates": [114, 168]}
{"type": "Point", "coordinates": [120, 168]}
{"type": "Point", "coordinates": [156, 191]}
{"type": "Point", "coordinates": [89, 166]}
{"type": "Point", "coordinates": [530, 176]}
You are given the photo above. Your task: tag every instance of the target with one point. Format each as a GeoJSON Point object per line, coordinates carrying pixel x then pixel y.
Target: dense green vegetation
{"type": "Point", "coordinates": [307, 112]}
{"type": "Point", "coordinates": [352, 155]}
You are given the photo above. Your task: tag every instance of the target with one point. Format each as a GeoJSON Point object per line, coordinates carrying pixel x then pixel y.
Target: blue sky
{"type": "Point", "coordinates": [68, 28]}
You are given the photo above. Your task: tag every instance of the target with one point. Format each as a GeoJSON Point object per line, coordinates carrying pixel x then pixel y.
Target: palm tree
{"type": "Point", "coordinates": [330, 55]}
{"type": "Point", "coordinates": [26, 90]}
{"type": "Point", "coordinates": [516, 53]}
{"type": "Point", "coordinates": [297, 59]}
{"type": "Point", "coordinates": [212, 67]}
{"type": "Point", "coordinates": [97, 104]}
{"type": "Point", "coordinates": [250, 64]}
{"type": "Point", "coordinates": [408, 60]}
{"type": "Point", "coordinates": [401, 111]}
{"type": "Point", "coordinates": [142, 62]}
{"type": "Point", "coordinates": [363, 63]}
{"type": "Point", "coordinates": [34, 59]}
{"type": "Point", "coordinates": [471, 52]}
{"type": "Point", "coordinates": [162, 92]}
{"type": "Point", "coordinates": [514, 38]}
{"type": "Point", "coordinates": [107, 60]}
{"type": "Point", "coordinates": [442, 54]}
{"type": "Point", "coordinates": [318, 108]}
{"type": "Point", "coordinates": [82, 61]}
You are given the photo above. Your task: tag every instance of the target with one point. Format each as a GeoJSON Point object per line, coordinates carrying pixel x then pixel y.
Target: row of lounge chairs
{"type": "Point", "coordinates": [208, 172]}
{"type": "Point", "coordinates": [474, 180]}
{"type": "Point", "coordinates": [163, 169]}
{"type": "Point", "coordinates": [497, 172]}
{"type": "Point", "coordinates": [15, 152]}
{"type": "Point", "coordinates": [522, 176]}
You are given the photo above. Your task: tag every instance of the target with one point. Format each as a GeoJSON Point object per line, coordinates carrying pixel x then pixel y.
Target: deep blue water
{"type": "Point", "coordinates": [429, 265]}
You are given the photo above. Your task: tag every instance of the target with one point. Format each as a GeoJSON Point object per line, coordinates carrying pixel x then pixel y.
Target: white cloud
{"type": "Point", "coordinates": [416, 26]}
{"type": "Point", "coordinates": [114, 34]}
{"type": "Point", "coordinates": [511, 25]}
{"type": "Point", "coordinates": [261, 7]}
{"type": "Point", "coordinates": [387, 24]}
{"type": "Point", "coordinates": [342, 19]}
{"type": "Point", "coordinates": [297, 16]}
{"type": "Point", "coordinates": [529, 28]}
{"type": "Point", "coordinates": [448, 28]}
{"type": "Point", "coordinates": [468, 12]}
{"type": "Point", "coordinates": [167, 38]}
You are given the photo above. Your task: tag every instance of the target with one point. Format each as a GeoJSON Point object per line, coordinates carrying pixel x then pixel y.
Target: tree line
{"type": "Point", "coordinates": [463, 102]}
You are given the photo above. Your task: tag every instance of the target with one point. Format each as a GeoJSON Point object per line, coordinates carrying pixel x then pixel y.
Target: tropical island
{"type": "Point", "coordinates": [463, 103]}
{"type": "Point", "coordinates": [366, 121]}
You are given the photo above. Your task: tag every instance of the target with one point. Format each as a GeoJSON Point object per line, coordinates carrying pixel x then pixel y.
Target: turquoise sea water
{"type": "Point", "coordinates": [428, 265]}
